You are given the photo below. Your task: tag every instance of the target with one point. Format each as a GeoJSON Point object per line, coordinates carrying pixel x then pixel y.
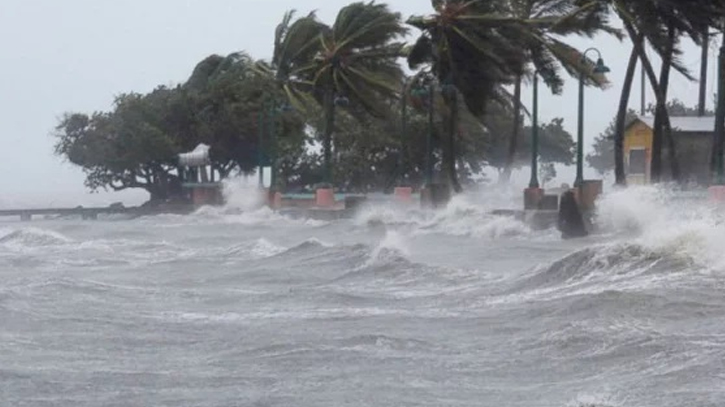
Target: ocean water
{"type": "Point", "coordinates": [238, 306]}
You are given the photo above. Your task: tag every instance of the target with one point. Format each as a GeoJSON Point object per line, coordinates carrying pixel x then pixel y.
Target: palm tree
{"type": "Point", "coordinates": [475, 47]}
{"type": "Point", "coordinates": [549, 20]}
{"type": "Point", "coordinates": [467, 54]}
{"type": "Point", "coordinates": [296, 43]}
{"type": "Point", "coordinates": [356, 63]}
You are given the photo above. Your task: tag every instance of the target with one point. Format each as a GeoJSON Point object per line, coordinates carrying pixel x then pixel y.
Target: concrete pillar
{"type": "Point", "coordinates": [324, 198]}
{"type": "Point", "coordinates": [403, 194]}
{"type": "Point", "coordinates": [532, 198]}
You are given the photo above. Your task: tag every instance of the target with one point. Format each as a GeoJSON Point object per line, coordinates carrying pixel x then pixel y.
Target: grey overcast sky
{"type": "Point", "coordinates": [75, 55]}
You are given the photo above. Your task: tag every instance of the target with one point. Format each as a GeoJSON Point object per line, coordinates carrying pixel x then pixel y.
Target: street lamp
{"type": "Point", "coordinates": [534, 182]}
{"type": "Point", "coordinates": [260, 143]}
{"type": "Point", "coordinates": [599, 68]}
{"type": "Point", "coordinates": [403, 130]}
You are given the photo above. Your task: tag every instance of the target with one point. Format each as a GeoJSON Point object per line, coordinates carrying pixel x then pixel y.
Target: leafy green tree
{"type": "Point", "coordinates": [228, 106]}
{"type": "Point", "coordinates": [127, 148]}
{"type": "Point", "coordinates": [136, 145]}
{"type": "Point", "coordinates": [556, 145]}
{"type": "Point", "coordinates": [602, 156]}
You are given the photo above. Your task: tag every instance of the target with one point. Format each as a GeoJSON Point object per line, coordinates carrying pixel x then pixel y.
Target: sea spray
{"type": "Point", "coordinates": [663, 221]}
{"type": "Point", "coordinates": [242, 193]}
{"type": "Point", "coordinates": [392, 244]}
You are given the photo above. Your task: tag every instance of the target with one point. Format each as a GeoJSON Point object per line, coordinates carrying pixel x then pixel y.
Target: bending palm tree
{"type": "Point", "coordinates": [296, 43]}
{"type": "Point", "coordinates": [478, 46]}
{"type": "Point", "coordinates": [357, 60]}
{"type": "Point", "coordinates": [547, 21]}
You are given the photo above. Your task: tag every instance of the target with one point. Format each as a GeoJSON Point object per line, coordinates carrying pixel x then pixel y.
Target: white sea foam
{"type": "Point", "coordinates": [461, 217]}
{"type": "Point", "coordinates": [665, 222]}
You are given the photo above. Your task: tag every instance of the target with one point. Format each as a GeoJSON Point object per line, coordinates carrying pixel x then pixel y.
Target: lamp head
{"type": "Point", "coordinates": [600, 68]}
{"type": "Point", "coordinates": [342, 101]}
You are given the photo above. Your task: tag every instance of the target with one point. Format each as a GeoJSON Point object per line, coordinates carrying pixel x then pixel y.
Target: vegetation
{"type": "Point", "coordinates": [349, 105]}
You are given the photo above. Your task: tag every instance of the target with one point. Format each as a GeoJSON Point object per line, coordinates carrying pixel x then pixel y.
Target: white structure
{"type": "Point", "coordinates": [200, 184]}
{"type": "Point", "coordinates": [197, 158]}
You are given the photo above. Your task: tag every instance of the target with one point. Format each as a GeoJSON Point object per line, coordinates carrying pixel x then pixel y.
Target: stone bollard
{"type": "Point", "coordinates": [324, 198]}
{"type": "Point", "coordinates": [276, 200]}
{"type": "Point", "coordinates": [570, 220]}
{"type": "Point", "coordinates": [403, 194]}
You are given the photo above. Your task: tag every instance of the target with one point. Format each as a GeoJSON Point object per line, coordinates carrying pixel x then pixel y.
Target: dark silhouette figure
{"type": "Point", "coordinates": [571, 223]}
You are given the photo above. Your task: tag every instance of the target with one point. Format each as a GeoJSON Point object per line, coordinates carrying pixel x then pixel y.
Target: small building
{"type": "Point", "coordinates": [197, 176]}
{"type": "Point", "coordinates": [693, 138]}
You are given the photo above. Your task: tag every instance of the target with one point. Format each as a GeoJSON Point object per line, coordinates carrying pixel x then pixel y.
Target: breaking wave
{"type": "Point", "coordinates": [461, 217]}
{"type": "Point", "coordinates": [33, 237]}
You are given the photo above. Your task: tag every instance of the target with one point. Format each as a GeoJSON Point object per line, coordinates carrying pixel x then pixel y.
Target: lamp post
{"type": "Point", "coordinates": [403, 131]}
{"type": "Point", "coordinates": [599, 68]}
{"type": "Point", "coordinates": [534, 182]}
{"type": "Point", "coordinates": [260, 143]}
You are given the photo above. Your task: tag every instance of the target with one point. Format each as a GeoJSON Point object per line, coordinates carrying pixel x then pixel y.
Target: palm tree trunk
{"type": "Point", "coordinates": [329, 105]}
{"type": "Point", "coordinates": [660, 130]}
{"type": "Point", "coordinates": [647, 64]}
{"type": "Point", "coordinates": [514, 140]}
{"type": "Point", "coordinates": [620, 176]}
{"type": "Point", "coordinates": [703, 72]}
{"type": "Point", "coordinates": [449, 153]}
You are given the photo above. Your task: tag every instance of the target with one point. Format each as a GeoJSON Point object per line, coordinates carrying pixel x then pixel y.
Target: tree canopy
{"type": "Point", "coordinates": [336, 93]}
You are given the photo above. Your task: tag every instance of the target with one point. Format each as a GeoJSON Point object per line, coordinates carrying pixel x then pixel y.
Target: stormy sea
{"type": "Point", "coordinates": [241, 306]}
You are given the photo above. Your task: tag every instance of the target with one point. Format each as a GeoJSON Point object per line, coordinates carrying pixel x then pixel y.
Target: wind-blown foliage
{"type": "Point", "coordinates": [468, 51]}
{"type": "Point", "coordinates": [136, 144]}
{"type": "Point", "coordinates": [547, 52]}
{"type": "Point", "coordinates": [357, 60]}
